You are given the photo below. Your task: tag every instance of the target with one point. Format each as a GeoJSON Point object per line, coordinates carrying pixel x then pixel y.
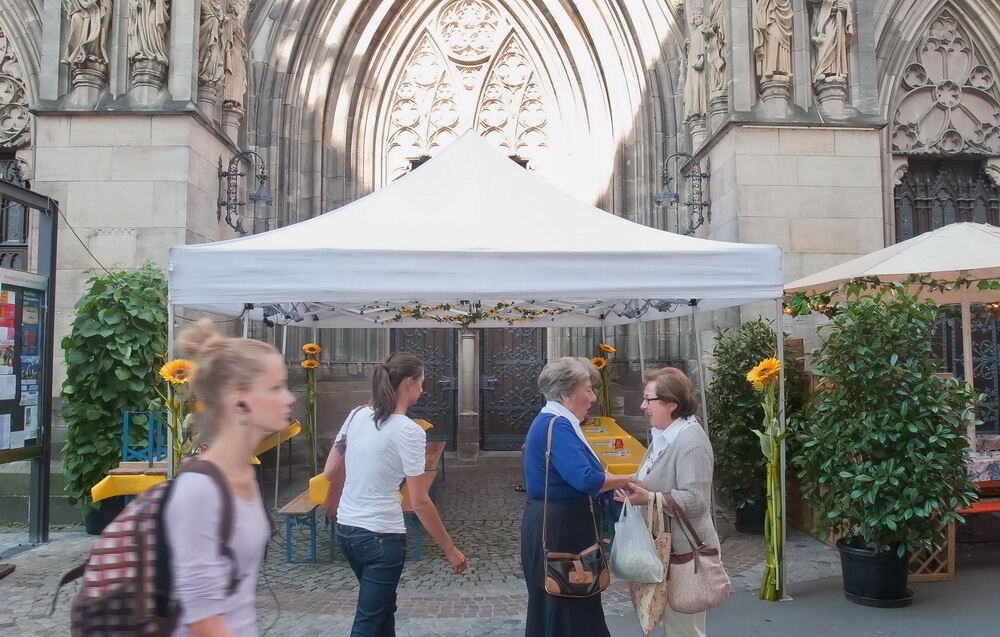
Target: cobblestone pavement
{"type": "Point", "coordinates": [482, 511]}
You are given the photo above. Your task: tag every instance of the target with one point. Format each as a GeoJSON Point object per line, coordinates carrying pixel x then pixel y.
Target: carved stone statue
{"type": "Point", "coordinates": [89, 22]}
{"type": "Point", "coordinates": [234, 46]}
{"type": "Point", "coordinates": [694, 91]}
{"type": "Point", "coordinates": [832, 32]}
{"type": "Point", "coordinates": [772, 38]}
{"type": "Point", "coordinates": [715, 33]}
{"type": "Point", "coordinates": [148, 26]}
{"type": "Point", "coordinates": [210, 56]}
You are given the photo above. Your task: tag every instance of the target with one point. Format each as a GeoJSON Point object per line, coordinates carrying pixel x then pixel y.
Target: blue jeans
{"type": "Point", "coordinates": [377, 561]}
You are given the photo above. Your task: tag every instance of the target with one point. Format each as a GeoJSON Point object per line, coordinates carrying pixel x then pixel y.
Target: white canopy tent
{"type": "Point", "coordinates": [969, 250]}
{"type": "Point", "coordinates": [472, 234]}
{"type": "Point", "coordinates": [471, 225]}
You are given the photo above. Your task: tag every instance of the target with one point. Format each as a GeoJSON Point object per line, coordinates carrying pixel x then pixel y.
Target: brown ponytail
{"type": "Point", "coordinates": [386, 380]}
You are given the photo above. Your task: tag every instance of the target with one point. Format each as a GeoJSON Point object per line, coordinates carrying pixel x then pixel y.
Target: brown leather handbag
{"type": "Point", "coordinates": [582, 574]}
{"type": "Point", "coordinates": [697, 580]}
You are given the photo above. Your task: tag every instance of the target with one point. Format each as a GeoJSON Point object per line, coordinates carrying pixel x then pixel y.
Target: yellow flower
{"type": "Point", "coordinates": [764, 371]}
{"type": "Point", "coordinates": [606, 348]}
{"type": "Point", "coordinates": [311, 348]}
{"type": "Point", "coordinates": [599, 363]}
{"type": "Point", "coordinates": [177, 371]}
{"type": "Point", "coordinates": [310, 364]}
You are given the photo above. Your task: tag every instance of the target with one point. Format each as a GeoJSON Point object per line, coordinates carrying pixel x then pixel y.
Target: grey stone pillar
{"type": "Point", "coordinates": [467, 436]}
{"type": "Point", "coordinates": [182, 82]}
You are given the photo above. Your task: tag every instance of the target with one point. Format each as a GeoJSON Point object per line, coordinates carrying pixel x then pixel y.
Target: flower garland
{"type": "Point", "coordinates": [802, 303]}
{"type": "Point", "coordinates": [603, 364]}
{"type": "Point", "coordinates": [310, 365]}
{"type": "Point", "coordinates": [470, 314]}
{"type": "Point", "coordinates": [177, 400]}
{"type": "Point", "coordinates": [764, 378]}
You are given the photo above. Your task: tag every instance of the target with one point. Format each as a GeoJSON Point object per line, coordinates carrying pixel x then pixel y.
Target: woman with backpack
{"type": "Point", "coordinates": [243, 387]}
{"type": "Point", "coordinates": [378, 446]}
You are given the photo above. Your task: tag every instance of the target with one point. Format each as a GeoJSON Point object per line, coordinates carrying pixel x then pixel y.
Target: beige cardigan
{"type": "Point", "coordinates": [685, 471]}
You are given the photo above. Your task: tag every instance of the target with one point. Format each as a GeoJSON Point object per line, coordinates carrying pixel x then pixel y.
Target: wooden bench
{"type": "Point", "coordinates": [299, 513]}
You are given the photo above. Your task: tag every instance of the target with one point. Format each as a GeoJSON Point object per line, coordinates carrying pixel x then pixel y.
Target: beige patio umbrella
{"type": "Point", "coordinates": [970, 250]}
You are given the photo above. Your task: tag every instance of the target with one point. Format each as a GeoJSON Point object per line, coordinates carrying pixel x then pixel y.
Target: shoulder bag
{"type": "Point", "coordinates": [697, 580]}
{"type": "Point", "coordinates": [582, 574]}
{"type": "Point", "coordinates": [332, 501]}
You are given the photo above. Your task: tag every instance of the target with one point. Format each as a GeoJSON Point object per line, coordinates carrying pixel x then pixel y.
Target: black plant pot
{"type": "Point", "coordinates": [107, 510]}
{"type": "Point", "coordinates": [874, 578]}
{"type": "Point", "coordinates": [750, 516]}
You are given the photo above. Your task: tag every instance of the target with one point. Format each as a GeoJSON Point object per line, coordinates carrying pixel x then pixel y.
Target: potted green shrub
{"type": "Point", "coordinates": [735, 411]}
{"type": "Point", "coordinates": [881, 455]}
{"type": "Point", "coordinates": [115, 346]}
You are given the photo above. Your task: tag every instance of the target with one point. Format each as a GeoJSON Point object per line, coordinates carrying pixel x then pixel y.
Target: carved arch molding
{"type": "Point", "coordinates": [948, 100]}
{"type": "Point", "coordinates": [15, 120]}
{"type": "Point", "coordinates": [468, 68]}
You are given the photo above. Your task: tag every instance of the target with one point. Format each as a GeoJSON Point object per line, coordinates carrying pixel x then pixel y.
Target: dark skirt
{"type": "Point", "coordinates": [570, 530]}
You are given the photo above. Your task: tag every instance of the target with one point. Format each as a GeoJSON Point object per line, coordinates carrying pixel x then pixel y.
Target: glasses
{"type": "Point", "coordinates": [647, 399]}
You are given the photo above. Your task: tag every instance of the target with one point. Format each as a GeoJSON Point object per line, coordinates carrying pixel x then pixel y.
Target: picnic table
{"type": "Point", "coordinates": [622, 458]}
{"type": "Point", "coordinates": [132, 478]}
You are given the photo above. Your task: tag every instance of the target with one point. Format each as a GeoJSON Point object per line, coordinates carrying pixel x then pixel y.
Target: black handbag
{"type": "Point", "coordinates": [582, 574]}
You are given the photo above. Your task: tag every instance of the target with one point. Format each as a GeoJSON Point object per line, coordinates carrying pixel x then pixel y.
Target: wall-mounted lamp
{"type": "Point", "coordinates": [697, 208]}
{"type": "Point", "coordinates": [229, 183]}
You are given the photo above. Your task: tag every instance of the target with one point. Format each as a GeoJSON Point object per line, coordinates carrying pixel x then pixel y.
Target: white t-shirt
{"type": "Point", "coordinates": [377, 461]}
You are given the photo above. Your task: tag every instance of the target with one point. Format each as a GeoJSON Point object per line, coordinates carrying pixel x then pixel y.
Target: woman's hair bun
{"type": "Point", "coordinates": [200, 341]}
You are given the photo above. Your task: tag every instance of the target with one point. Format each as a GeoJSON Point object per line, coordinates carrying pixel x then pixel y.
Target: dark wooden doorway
{"type": "Point", "coordinates": [936, 192]}
{"type": "Point", "coordinates": [437, 348]}
{"type": "Point", "coordinates": [509, 363]}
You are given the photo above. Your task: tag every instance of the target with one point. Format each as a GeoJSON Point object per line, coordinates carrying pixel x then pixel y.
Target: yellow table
{"type": "Point", "coordinates": [622, 461]}
{"type": "Point", "coordinates": [604, 429]}
{"type": "Point", "coordinates": [270, 442]}
{"type": "Point", "coordinates": [114, 485]}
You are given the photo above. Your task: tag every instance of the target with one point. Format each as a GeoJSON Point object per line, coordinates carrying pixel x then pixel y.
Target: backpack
{"type": "Point", "coordinates": [127, 580]}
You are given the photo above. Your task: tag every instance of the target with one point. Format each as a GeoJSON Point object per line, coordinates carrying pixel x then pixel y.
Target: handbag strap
{"type": "Point", "coordinates": [654, 520]}
{"type": "Point", "coordinates": [347, 426]}
{"type": "Point", "coordinates": [686, 526]}
{"type": "Point", "coordinates": [545, 497]}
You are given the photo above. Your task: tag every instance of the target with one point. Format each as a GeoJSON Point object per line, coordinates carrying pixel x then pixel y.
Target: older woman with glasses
{"type": "Point", "coordinates": [679, 463]}
{"type": "Point", "coordinates": [575, 476]}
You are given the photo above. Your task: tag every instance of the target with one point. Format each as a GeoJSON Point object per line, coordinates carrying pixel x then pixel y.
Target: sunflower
{"type": "Point", "coordinates": [599, 362]}
{"type": "Point", "coordinates": [764, 371]}
{"type": "Point", "coordinates": [177, 371]}
{"type": "Point", "coordinates": [606, 348]}
{"type": "Point", "coordinates": [310, 364]}
{"type": "Point", "coordinates": [311, 348]}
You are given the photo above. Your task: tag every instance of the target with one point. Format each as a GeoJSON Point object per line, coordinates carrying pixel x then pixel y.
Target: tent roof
{"type": "Point", "coordinates": [471, 225]}
{"type": "Point", "coordinates": [959, 249]}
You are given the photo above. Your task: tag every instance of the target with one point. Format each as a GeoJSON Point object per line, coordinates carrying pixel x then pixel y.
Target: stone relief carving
{"type": "Point", "coordinates": [715, 34]}
{"type": "Point", "coordinates": [87, 44]}
{"type": "Point", "coordinates": [15, 121]}
{"type": "Point", "coordinates": [146, 45]}
{"type": "Point", "coordinates": [234, 44]}
{"type": "Point", "coordinates": [948, 100]}
{"type": "Point", "coordinates": [694, 84]}
{"type": "Point", "coordinates": [772, 38]}
{"type": "Point", "coordinates": [511, 111]}
{"type": "Point", "coordinates": [210, 55]}
{"type": "Point", "coordinates": [831, 33]}
{"type": "Point", "coordinates": [468, 69]}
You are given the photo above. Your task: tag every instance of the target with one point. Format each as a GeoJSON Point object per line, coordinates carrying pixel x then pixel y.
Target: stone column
{"type": "Point", "coordinates": [467, 436]}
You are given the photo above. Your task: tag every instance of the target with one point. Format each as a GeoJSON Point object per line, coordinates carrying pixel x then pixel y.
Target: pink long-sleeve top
{"type": "Point", "coordinates": [201, 574]}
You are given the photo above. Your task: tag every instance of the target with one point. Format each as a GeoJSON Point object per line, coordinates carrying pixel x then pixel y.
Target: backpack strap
{"type": "Point", "coordinates": [197, 465]}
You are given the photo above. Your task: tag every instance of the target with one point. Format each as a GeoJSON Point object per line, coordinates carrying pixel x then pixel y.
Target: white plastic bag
{"type": "Point", "coordinates": [633, 556]}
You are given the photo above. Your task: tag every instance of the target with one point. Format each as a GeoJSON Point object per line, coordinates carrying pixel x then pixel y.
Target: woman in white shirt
{"type": "Point", "coordinates": [383, 447]}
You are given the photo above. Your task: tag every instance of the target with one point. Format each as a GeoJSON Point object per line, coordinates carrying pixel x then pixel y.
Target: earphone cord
{"type": "Point", "coordinates": [267, 583]}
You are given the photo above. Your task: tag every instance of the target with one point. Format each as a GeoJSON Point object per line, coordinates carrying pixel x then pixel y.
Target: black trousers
{"type": "Point", "coordinates": [570, 530]}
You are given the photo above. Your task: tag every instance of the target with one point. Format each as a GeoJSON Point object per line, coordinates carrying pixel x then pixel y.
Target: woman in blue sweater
{"type": "Point", "coordinates": [575, 476]}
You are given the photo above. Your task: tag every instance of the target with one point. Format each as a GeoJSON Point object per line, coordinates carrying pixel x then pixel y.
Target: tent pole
{"type": "Point", "coordinates": [701, 364]}
{"type": "Point", "coordinates": [246, 326]}
{"type": "Point", "coordinates": [277, 450]}
{"type": "Point", "coordinates": [642, 358]}
{"type": "Point", "coordinates": [967, 365]}
{"type": "Point", "coordinates": [170, 357]}
{"type": "Point", "coordinates": [701, 383]}
{"type": "Point", "coordinates": [779, 335]}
